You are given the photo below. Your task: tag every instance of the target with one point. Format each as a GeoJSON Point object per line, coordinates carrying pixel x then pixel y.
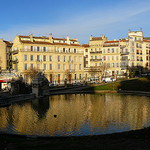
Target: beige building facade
{"type": "Point", "coordinates": [5, 55]}
{"type": "Point", "coordinates": [58, 58]}
{"type": "Point", "coordinates": [64, 58]}
{"type": "Point", "coordinates": [114, 57]}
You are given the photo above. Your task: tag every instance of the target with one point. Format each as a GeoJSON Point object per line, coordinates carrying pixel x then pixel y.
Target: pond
{"type": "Point", "coordinates": [76, 115]}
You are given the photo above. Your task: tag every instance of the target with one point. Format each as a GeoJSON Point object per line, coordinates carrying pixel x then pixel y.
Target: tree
{"type": "Point", "coordinates": [100, 71]}
{"type": "Point", "coordinates": [31, 73]}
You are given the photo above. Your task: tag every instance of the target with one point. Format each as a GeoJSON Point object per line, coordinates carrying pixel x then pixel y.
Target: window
{"type": "Point", "coordinates": [112, 57]}
{"type": "Point", "coordinates": [113, 50]}
{"type": "Point", "coordinates": [92, 57]}
{"type": "Point", "coordinates": [69, 67]}
{"type": "Point", "coordinates": [38, 58]}
{"type": "Point", "coordinates": [58, 50]}
{"type": "Point", "coordinates": [69, 50]}
{"type": "Point", "coordinates": [69, 58]}
{"type": "Point", "coordinates": [44, 49]}
{"type": "Point", "coordinates": [108, 50]}
{"type": "Point", "coordinates": [25, 57]}
{"type": "Point", "coordinates": [117, 57]}
{"type": "Point", "coordinates": [50, 49]}
{"type": "Point", "coordinates": [104, 57]}
{"type": "Point", "coordinates": [75, 58]}
{"type": "Point", "coordinates": [79, 66]}
{"type": "Point", "coordinates": [113, 65]}
{"type": "Point", "coordinates": [63, 50]}
{"type": "Point", "coordinates": [58, 66]}
{"type": "Point", "coordinates": [44, 57]}
{"type": "Point", "coordinates": [80, 59]}
{"type": "Point", "coordinates": [95, 49]}
{"type": "Point", "coordinates": [50, 66]}
{"type": "Point", "coordinates": [80, 76]}
{"type": "Point", "coordinates": [50, 58]}
{"type": "Point", "coordinates": [75, 51]}
{"type": "Point", "coordinates": [117, 64]}
{"type": "Point", "coordinates": [32, 48]}
{"type": "Point", "coordinates": [31, 57]}
{"type": "Point", "coordinates": [64, 66]}
{"type": "Point", "coordinates": [25, 48]}
{"type": "Point", "coordinates": [25, 67]}
{"type": "Point", "coordinates": [32, 66]}
{"type": "Point", "coordinates": [64, 58]}
{"type": "Point", "coordinates": [38, 66]}
{"type": "Point", "coordinates": [96, 57]}
{"type": "Point", "coordinates": [96, 64]}
{"type": "Point", "coordinates": [99, 64]}
{"type": "Point", "coordinates": [44, 66]}
{"type": "Point", "coordinates": [75, 76]}
{"type": "Point", "coordinates": [58, 58]}
{"type": "Point", "coordinates": [75, 67]}
{"type": "Point", "coordinates": [37, 48]}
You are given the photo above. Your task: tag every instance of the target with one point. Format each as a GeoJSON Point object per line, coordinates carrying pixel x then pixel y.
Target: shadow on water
{"type": "Point", "coordinates": [41, 106]}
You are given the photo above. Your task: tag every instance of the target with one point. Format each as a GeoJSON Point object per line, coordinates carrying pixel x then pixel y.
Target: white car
{"type": "Point", "coordinates": [108, 79]}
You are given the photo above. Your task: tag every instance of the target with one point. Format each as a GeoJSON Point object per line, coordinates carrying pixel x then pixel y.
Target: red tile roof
{"type": "Point", "coordinates": [112, 42]}
{"type": "Point", "coordinates": [85, 45]}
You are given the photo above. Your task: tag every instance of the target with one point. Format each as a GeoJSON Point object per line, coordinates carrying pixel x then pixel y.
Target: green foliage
{"type": "Point", "coordinates": [107, 86]}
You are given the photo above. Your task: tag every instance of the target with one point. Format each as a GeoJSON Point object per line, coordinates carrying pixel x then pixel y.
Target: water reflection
{"type": "Point", "coordinates": [77, 115]}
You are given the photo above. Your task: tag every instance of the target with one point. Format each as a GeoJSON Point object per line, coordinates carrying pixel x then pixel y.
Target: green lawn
{"type": "Point", "coordinates": [107, 86]}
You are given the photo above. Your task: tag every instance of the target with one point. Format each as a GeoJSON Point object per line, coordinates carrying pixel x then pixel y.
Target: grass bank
{"type": "Point", "coordinates": [139, 84]}
{"type": "Point", "coordinates": [107, 86]}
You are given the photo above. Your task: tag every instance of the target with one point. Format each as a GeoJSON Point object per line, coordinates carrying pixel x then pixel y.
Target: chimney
{"type": "Point", "coordinates": [31, 37]}
{"type": "Point", "coordinates": [90, 37]}
{"type": "Point", "coordinates": [68, 42]}
{"type": "Point", "coordinates": [50, 38]}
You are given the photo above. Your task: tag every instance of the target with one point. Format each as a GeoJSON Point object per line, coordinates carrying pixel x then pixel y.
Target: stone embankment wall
{"type": "Point", "coordinates": [6, 100]}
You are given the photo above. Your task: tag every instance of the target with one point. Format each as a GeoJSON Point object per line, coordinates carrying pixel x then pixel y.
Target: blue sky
{"type": "Point", "coordinates": [75, 18]}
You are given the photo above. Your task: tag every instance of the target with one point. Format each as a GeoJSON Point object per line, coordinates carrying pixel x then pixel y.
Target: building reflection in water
{"type": "Point", "coordinates": [76, 115]}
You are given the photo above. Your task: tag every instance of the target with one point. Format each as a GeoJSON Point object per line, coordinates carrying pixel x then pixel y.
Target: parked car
{"type": "Point", "coordinates": [52, 85]}
{"type": "Point", "coordinates": [108, 79]}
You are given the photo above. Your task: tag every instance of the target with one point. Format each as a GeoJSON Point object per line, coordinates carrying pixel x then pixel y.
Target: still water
{"type": "Point", "coordinates": [85, 114]}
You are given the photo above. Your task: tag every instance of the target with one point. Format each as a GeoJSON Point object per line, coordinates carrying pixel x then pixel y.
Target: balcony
{"type": "Point", "coordinates": [95, 59]}
{"type": "Point", "coordinates": [124, 53]}
{"type": "Point", "coordinates": [124, 59]}
{"type": "Point", "coordinates": [15, 52]}
{"type": "Point", "coordinates": [100, 52]}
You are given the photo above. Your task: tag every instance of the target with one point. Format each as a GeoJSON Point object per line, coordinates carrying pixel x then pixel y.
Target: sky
{"type": "Point", "coordinates": [75, 18]}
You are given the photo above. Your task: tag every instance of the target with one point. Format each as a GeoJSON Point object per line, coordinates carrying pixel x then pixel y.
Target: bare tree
{"type": "Point", "coordinates": [31, 73]}
{"type": "Point", "coordinates": [99, 71]}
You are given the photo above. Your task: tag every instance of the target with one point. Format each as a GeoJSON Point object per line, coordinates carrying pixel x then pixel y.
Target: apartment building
{"type": "Point", "coordinates": [5, 55]}
{"type": "Point", "coordinates": [58, 58]}
{"type": "Point", "coordinates": [114, 57]}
